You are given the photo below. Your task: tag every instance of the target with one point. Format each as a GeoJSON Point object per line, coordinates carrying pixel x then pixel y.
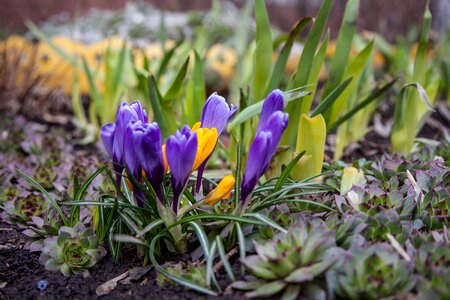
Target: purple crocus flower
{"type": "Point", "coordinates": [147, 141]}
{"type": "Point", "coordinates": [181, 150]}
{"type": "Point", "coordinates": [215, 114]}
{"type": "Point", "coordinates": [113, 135]}
{"type": "Point", "coordinates": [272, 123]}
{"type": "Point", "coordinates": [274, 102]}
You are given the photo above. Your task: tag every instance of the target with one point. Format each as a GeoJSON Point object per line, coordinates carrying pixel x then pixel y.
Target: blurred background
{"type": "Point", "coordinates": [390, 18]}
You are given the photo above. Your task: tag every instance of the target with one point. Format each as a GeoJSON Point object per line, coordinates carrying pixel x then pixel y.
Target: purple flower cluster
{"type": "Point", "coordinates": [138, 145]}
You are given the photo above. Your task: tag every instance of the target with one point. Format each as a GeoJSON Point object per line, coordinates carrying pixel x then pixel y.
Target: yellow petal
{"type": "Point", "coordinates": [196, 126]}
{"type": "Point", "coordinates": [222, 191]}
{"type": "Point", "coordinates": [206, 141]}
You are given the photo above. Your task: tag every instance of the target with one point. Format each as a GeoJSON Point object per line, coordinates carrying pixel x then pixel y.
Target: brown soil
{"type": "Point", "coordinates": [20, 271]}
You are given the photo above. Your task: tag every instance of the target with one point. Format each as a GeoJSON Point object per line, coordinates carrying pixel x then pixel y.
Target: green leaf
{"type": "Point", "coordinates": [165, 62]}
{"type": "Point", "coordinates": [177, 83]}
{"type": "Point", "coordinates": [125, 238]}
{"type": "Point", "coordinates": [195, 92]}
{"type": "Point", "coordinates": [36, 185]}
{"type": "Point", "coordinates": [287, 171]}
{"type": "Point", "coordinates": [241, 240]}
{"type": "Point", "coordinates": [343, 46]}
{"type": "Point", "coordinates": [93, 92]}
{"type": "Point", "coordinates": [266, 220]}
{"type": "Point", "coordinates": [314, 74]}
{"type": "Point", "coordinates": [177, 279]}
{"type": "Point", "coordinates": [224, 258]}
{"type": "Point", "coordinates": [355, 69]}
{"type": "Point", "coordinates": [304, 68]}
{"type": "Point", "coordinates": [263, 52]}
{"type": "Point", "coordinates": [278, 70]}
{"type": "Point", "coordinates": [326, 103]}
{"type": "Point", "coordinates": [311, 139]}
{"type": "Point", "coordinates": [240, 39]}
{"type": "Point", "coordinates": [376, 93]}
{"type": "Point", "coordinates": [403, 130]}
{"type": "Point", "coordinates": [202, 237]}
{"type": "Point", "coordinates": [149, 228]}
{"type": "Point", "coordinates": [162, 112]}
{"type": "Point", "coordinates": [83, 189]}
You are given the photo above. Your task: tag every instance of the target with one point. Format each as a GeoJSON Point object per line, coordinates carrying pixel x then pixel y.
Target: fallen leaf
{"type": "Point", "coordinates": [110, 285]}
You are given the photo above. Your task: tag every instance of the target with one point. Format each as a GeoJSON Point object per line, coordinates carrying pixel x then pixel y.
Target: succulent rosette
{"type": "Point", "coordinates": [73, 251]}
{"type": "Point", "coordinates": [373, 272]}
{"type": "Point", "coordinates": [290, 263]}
{"type": "Point", "coordinates": [21, 209]}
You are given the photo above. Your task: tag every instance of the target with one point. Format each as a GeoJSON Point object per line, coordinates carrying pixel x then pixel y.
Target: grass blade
{"type": "Point", "coordinates": [263, 52]}
{"type": "Point", "coordinates": [326, 103]}
{"type": "Point", "coordinates": [285, 174]}
{"type": "Point", "coordinates": [377, 93]}
{"type": "Point", "coordinates": [202, 238]}
{"type": "Point", "coordinates": [177, 83]}
{"type": "Point", "coordinates": [224, 258]}
{"type": "Point", "coordinates": [35, 184]}
{"type": "Point", "coordinates": [343, 46]}
{"type": "Point", "coordinates": [278, 70]}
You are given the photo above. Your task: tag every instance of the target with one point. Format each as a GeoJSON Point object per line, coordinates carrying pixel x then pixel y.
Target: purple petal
{"type": "Point", "coordinates": [215, 113]}
{"type": "Point", "coordinates": [107, 135]}
{"type": "Point", "coordinates": [130, 155]}
{"type": "Point", "coordinates": [273, 102]}
{"type": "Point", "coordinates": [124, 116]}
{"type": "Point", "coordinates": [257, 158]}
{"type": "Point", "coordinates": [140, 111]}
{"type": "Point", "coordinates": [276, 124]}
{"type": "Point", "coordinates": [181, 150]}
{"type": "Point", "coordinates": [148, 147]}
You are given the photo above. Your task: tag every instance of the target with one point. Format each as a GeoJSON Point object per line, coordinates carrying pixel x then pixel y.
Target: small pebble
{"type": "Point", "coordinates": [42, 285]}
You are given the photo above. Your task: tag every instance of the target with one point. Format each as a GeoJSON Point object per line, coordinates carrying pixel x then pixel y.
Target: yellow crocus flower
{"type": "Point", "coordinates": [222, 191]}
{"type": "Point", "coordinates": [206, 142]}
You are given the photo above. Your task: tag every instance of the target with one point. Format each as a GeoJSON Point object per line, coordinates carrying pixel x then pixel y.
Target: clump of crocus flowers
{"type": "Point", "coordinates": [137, 145]}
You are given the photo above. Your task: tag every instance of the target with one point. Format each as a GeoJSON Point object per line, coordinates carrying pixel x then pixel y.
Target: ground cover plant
{"type": "Point", "coordinates": [317, 174]}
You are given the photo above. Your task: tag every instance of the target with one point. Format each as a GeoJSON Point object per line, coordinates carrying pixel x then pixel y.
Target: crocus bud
{"type": "Point", "coordinates": [272, 123]}
{"type": "Point", "coordinates": [273, 102]}
{"type": "Point", "coordinates": [181, 150]}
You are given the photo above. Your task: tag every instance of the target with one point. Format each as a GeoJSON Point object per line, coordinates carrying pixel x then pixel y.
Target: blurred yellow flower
{"type": "Point", "coordinates": [222, 59]}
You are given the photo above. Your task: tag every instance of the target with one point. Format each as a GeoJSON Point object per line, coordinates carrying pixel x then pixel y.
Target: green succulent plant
{"type": "Point", "coordinates": [38, 229]}
{"type": "Point", "coordinates": [73, 251]}
{"type": "Point", "coordinates": [22, 208]}
{"type": "Point", "coordinates": [375, 272]}
{"type": "Point", "coordinates": [431, 256]}
{"type": "Point", "coordinates": [46, 177]}
{"type": "Point", "coordinates": [291, 264]}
